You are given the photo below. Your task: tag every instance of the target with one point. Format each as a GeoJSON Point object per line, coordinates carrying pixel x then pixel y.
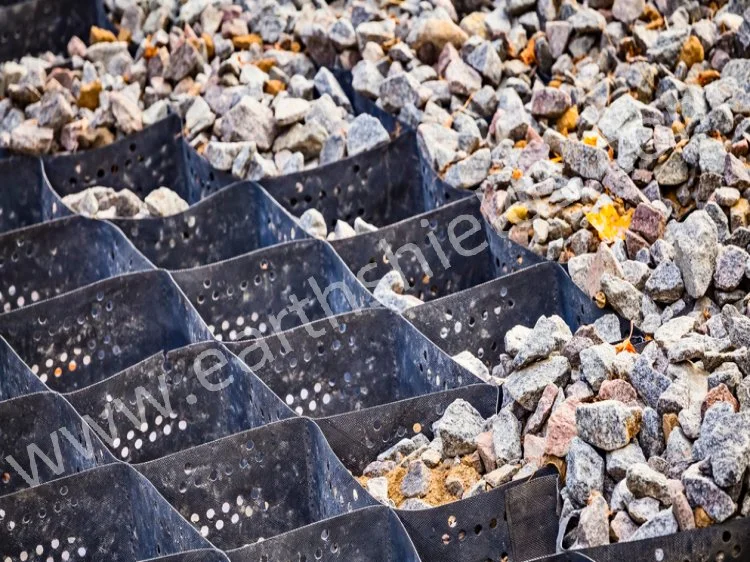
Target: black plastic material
{"type": "Point", "coordinates": [350, 362]}
{"type": "Point", "coordinates": [475, 529]}
{"type": "Point", "coordinates": [26, 197]}
{"type": "Point", "coordinates": [108, 513]}
{"type": "Point", "coordinates": [52, 443]}
{"type": "Point", "coordinates": [142, 162]}
{"type": "Point", "coordinates": [36, 26]}
{"type": "Point", "coordinates": [17, 379]}
{"type": "Point", "coordinates": [372, 534]}
{"type": "Point", "coordinates": [84, 336]}
{"type": "Point", "coordinates": [204, 555]}
{"type": "Point", "coordinates": [436, 191]}
{"type": "Point", "coordinates": [257, 484]}
{"type": "Point", "coordinates": [382, 186]}
{"type": "Point", "coordinates": [438, 252]}
{"type": "Point", "coordinates": [502, 524]}
{"type": "Point", "coordinates": [237, 219]}
{"type": "Point", "coordinates": [46, 260]}
{"type": "Point", "coordinates": [476, 319]}
{"type": "Point", "coordinates": [177, 400]}
{"type": "Point", "coordinates": [509, 257]}
{"type": "Point", "coordinates": [358, 438]}
{"type": "Point", "coordinates": [726, 542]}
{"type": "Point", "coordinates": [252, 295]}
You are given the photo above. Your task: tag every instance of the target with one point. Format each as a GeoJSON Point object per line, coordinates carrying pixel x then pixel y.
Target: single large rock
{"type": "Point", "coordinates": [398, 91]}
{"type": "Point", "coordinates": [585, 472]}
{"type": "Point", "coordinates": [603, 262]}
{"type": "Point", "coordinates": [665, 283]}
{"type": "Point", "coordinates": [597, 364]}
{"type": "Point", "coordinates": [623, 297]}
{"type": "Point", "coordinates": [548, 336]}
{"type": "Point", "coordinates": [459, 428]}
{"type": "Point", "coordinates": [673, 171]}
{"type": "Point", "coordinates": [416, 483]}
{"type": "Point", "coordinates": [589, 162]}
{"type": "Point", "coordinates": [608, 425]}
{"type": "Point", "coordinates": [326, 83]}
{"type": "Point", "coordinates": [648, 382]}
{"type": "Point", "coordinates": [549, 102]}
{"type": "Point", "coordinates": [561, 428]}
{"type": "Point", "coordinates": [163, 202]}
{"type": "Point", "coordinates": [526, 386]}
{"type": "Point", "coordinates": [366, 78]}
{"type": "Point", "coordinates": [696, 243]}
{"type": "Point", "coordinates": [620, 115]}
{"type": "Point", "coordinates": [731, 265]}
{"type": "Point", "coordinates": [438, 144]}
{"type": "Point", "coordinates": [703, 492]}
{"type": "Point", "coordinates": [128, 116]}
{"type": "Point", "coordinates": [462, 79]}
{"type": "Point", "coordinates": [307, 138]}
{"type": "Point", "coordinates": [249, 120]}
{"type": "Point", "coordinates": [620, 460]}
{"type": "Point", "coordinates": [439, 32]}
{"type": "Point", "coordinates": [470, 171]}
{"type": "Point", "coordinates": [288, 111]}
{"type": "Point", "coordinates": [663, 524]}
{"type": "Point", "coordinates": [506, 437]}
{"type": "Point", "coordinates": [645, 482]}
{"type": "Point", "coordinates": [593, 525]}
{"type": "Point", "coordinates": [651, 437]}
{"type": "Point", "coordinates": [726, 443]}
{"type": "Point", "coordinates": [365, 133]}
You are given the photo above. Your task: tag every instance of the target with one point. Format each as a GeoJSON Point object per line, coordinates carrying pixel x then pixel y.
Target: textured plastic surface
{"type": "Point", "coordinates": [272, 289]}
{"type": "Point", "coordinates": [183, 398]}
{"type": "Point", "coordinates": [155, 157]}
{"type": "Point", "coordinates": [372, 534]}
{"type": "Point", "coordinates": [36, 26]}
{"type": "Point", "coordinates": [514, 522]}
{"type": "Point", "coordinates": [26, 197]}
{"type": "Point", "coordinates": [84, 336]}
{"type": "Point", "coordinates": [350, 362]}
{"type": "Point", "coordinates": [725, 542]}
{"type": "Point", "coordinates": [476, 319]}
{"type": "Point", "coordinates": [438, 252]}
{"type": "Point", "coordinates": [108, 513]}
{"type": "Point", "coordinates": [52, 443]}
{"type": "Point", "coordinates": [236, 220]}
{"type": "Point", "coordinates": [204, 555]}
{"type": "Point", "coordinates": [436, 191]}
{"type": "Point", "coordinates": [257, 484]}
{"type": "Point", "coordinates": [46, 260]}
{"type": "Point", "coordinates": [17, 379]}
{"type": "Point", "coordinates": [382, 186]}
{"type": "Point", "coordinates": [509, 257]}
{"type": "Point", "coordinates": [359, 437]}
{"type": "Point", "coordinates": [475, 529]}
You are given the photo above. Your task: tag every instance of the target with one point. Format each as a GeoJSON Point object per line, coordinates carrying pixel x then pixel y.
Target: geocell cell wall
{"type": "Point", "coordinates": [226, 463]}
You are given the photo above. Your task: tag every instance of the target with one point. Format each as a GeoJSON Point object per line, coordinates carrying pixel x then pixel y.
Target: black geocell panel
{"type": "Point", "coordinates": [87, 316]}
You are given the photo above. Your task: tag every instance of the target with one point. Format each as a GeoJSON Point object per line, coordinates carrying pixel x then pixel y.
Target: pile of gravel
{"type": "Point", "coordinates": [649, 443]}
{"type": "Point", "coordinates": [252, 101]}
{"type": "Point", "coordinates": [583, 127]}
{"type": "Point", "coordinates": [107, 203]}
